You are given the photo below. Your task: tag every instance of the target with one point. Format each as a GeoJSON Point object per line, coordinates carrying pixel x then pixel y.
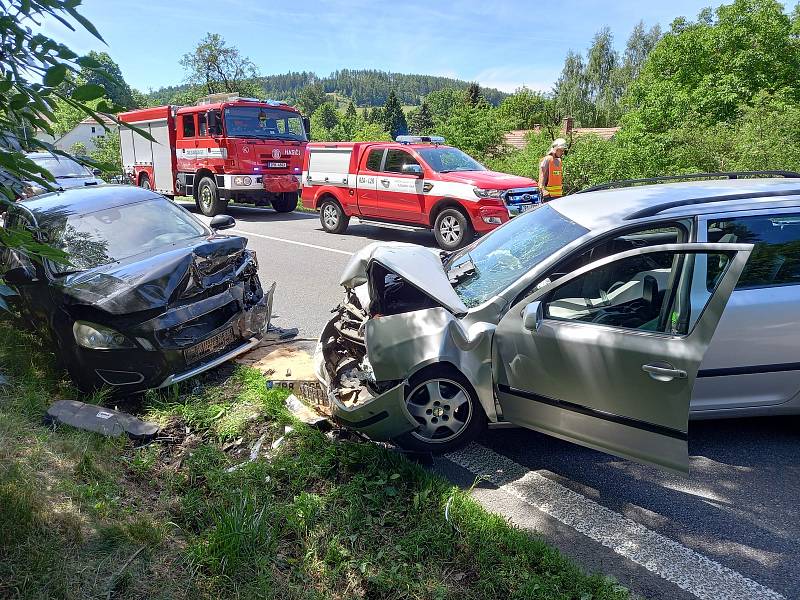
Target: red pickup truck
{"type": "Point", "coordinates": [415, 183]}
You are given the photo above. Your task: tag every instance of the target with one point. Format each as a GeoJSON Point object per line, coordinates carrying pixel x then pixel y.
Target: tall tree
{"type": "Point", "coordinates": [474, 94]}
{"type": "Point", "coordinates": [351, 114]}
{"type": "Point", "coordinates": [571, 91]}
{"type": "Point", "coordinates": [421, 121]}
{"type": "Point", "coordinates": [311, 97]}
{"type": "Point", "coordinates": [219, 67]}
{"type": "Point", "coordinates": [394, 120]}
{"type": "Point", "coordinates": [523, 109]}
{"type": "Point", "coordinates": [601, 63]}
{"type": "Point", "coordinates": [109, 75]}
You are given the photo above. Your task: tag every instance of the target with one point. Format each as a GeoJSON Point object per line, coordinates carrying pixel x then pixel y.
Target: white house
{"type": "Point", "coordinates": [85, 132]}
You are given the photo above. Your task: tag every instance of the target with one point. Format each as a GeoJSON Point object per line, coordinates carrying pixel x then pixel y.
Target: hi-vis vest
{"type": "Point", "coordinates": [555, 177]}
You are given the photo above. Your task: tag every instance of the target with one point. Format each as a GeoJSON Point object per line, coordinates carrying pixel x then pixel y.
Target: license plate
{"type": "Point", "coordinates": [520, 208]}
{"type": "Point", "coordinates": [277, 165]}
{"type": "Point", "coordinates": [216, 342]}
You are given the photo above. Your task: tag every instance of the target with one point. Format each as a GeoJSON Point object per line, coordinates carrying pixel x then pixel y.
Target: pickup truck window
{"type": "Point", "coordinates": [397, 159]}
{"type": "Point", "coordinates": [444, 159]}
{"type": "Point", "coordinates": [374, 160]}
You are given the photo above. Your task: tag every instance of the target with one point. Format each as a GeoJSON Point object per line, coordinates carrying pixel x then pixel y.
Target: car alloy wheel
{"type": "Point", "coordinates": [206, 198]}
{"type": "Point", "coordinates": [442, 408]}
{"type": "Point", "coordinates": [331, 216]}
{"type": "Point", "coordinates": [450, 230]}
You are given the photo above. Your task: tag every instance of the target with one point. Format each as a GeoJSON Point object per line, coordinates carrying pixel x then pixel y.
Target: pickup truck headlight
{"type": "Point", "coordinates": [98, 337]}
{"type": "Point", "coordinates": [481, 193]}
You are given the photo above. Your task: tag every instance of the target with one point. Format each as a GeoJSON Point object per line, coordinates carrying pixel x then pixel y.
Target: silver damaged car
{"type": "Point", "coordinates": [606, 318]}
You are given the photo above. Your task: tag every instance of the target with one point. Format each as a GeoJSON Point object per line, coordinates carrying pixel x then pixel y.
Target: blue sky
{"type": "Point", "coordinates": [503, 44]}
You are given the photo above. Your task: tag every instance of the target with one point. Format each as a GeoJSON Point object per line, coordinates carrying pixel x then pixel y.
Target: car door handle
{"type": "Point", "coordinates": [664, 372]}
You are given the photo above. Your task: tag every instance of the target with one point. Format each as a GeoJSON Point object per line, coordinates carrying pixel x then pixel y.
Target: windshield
{"type": "Point", "coordinates": [505, 255]}
{"type": "Point", "coordinates": [445, 160]}
{"type": "Point", "coordinates": [114, 234]}
{"type": "Point", "coordinates": [60, 166]}
{"type": "Point", "coordinates": [259, 122]}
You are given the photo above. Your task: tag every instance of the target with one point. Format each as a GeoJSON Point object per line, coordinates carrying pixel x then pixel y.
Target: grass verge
{"type": "Point", "coordinates": [189, 516]}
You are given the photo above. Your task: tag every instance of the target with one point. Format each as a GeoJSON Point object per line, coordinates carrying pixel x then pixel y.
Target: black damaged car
{"type": "Point", "coordinates": [148, 295]}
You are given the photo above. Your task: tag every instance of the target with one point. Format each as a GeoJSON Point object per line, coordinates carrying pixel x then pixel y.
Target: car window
{"type": "Point", "coordinates": [188, 126]}
{"type": "Point", "coordinates": [202, 125]}
{"type": "Point", "coordinates": [775, 259]}
{"type": "Point", "coordinates": [639, 292]}
{"type": "Point", "coordinates": [374, 160]}
{"type": "Point", "coordinates": [484, 270]}
{"type": "Point", "coordinates": [113, 234]}
{"type": "Point", "coordinates": [61, 166]}
{"type": "Point", "coordinates": [397, 159]}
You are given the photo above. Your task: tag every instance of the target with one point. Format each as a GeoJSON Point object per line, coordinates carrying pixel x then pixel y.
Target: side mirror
{"type": "Point", "coordinates": [532, 316]}
{"type": "Point", "coordinates": [222, 222]}
{"type": "Point", "coordinates": [20, 276]}
{"type": "Point", "coordinates": [97, 172]}
{"type": "Point", "coordinates": [415, 170]}
{"type": "Point", "coordinates": [214, 121]}
{"type": "Point", "coordinates": [307, 126]}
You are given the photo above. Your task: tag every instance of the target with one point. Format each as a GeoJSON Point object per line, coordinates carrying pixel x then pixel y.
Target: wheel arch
{"type": "Point", "coordinates": [326, 193]}
{"type": "Point", "coordinates": [447, 202]}
{"type": "Point", "coordinates": [198, 176]}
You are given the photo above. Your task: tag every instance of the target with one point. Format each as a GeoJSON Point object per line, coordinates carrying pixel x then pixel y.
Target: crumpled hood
{"type": "Point", "coordinates": [156, 279]}
{"type": "Point", "coordinates": [490, 179]}
{"type": "Point", "coordinates": [418, 265]}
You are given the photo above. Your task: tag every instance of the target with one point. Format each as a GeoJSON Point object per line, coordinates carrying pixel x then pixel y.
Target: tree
{"type": "Point", "coordinates": [443, 102]}
{"type": "Point", "coordinates": [571, 91]}
{"type": "Point", "coordinates": [107, 154]}
{"type": "Point", "coordinates": [476, 130]}
{"type": "Point", "coordinates": [474, 94]}
{"type": "Point", "coordinates": [108, 75]}
{"type": "Point", "coordinates": [350, 114]}
{"type": "Point", "coordinates": [311, 98]}
{"type": "Point", "coordinates": [219, 67]}
{"type": "Point", "coordinates": [323, 123]}
{"type": "Point", "coordinates": [421, 121]}
{"type": "Point", "coordinates": [33, 66]}
{"type": "Point", "coordinates": [523, 109]}
{"type": "Point", "coordinates": [370, 132]}
{"type": "Point", "coordinates": [601, 63]}
{"type": "Point", "coordinates": [394, 120]}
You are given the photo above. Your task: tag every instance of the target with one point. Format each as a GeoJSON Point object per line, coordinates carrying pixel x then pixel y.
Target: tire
{"type": "Point", "coordinates": [332, 217]}
{"type": "Point", "coordinates": [285, 203]}
{"type": "Point", "coordinates": [452, 229]}
{"type": "Point", "coordinates": [438, 398]}
{"type": "Point", "coordinates": [144, 182]}
{"type": "Point", "coordinates": [208, 200]}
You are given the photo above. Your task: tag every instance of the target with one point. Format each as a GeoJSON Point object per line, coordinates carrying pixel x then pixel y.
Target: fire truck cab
{"type": "Point", "coordinates": [224, 149]}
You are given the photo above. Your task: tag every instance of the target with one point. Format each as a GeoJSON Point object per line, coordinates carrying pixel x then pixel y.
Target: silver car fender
{"type": "Point", "coordinates": [398, 346]}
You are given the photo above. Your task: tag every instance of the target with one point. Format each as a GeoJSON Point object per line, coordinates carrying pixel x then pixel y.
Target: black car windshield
{"type": "Point", "coordinates": [259, 122]}
{"type": "Point", "coordinates": [446, 159]}
{"type": "Point", "coordinates": [505, 255]}
{"type": "Point", "coordinates": [61, 166]}
{"type": "Point", "coordinates": [114, 234]}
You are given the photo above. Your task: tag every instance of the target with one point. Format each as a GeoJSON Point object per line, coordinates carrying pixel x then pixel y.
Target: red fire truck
{"type": "Point", "coordinates": [224, 149]}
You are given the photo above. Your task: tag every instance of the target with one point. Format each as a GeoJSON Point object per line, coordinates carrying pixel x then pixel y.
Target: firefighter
{"type": "Point", "coordinates": [551, 171]}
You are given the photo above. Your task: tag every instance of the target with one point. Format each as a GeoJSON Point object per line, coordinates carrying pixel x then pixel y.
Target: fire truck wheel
{"type": "Point", "coordinates": [332, 217]}
{"type": "Point", "coordinates": [144, 182]}
{"type": "Point", "coordinates": [208, 200]}
{"type": "Point", "coordinates": [285, 202]}
{"type": "Point", "coordinates": [452, 229]}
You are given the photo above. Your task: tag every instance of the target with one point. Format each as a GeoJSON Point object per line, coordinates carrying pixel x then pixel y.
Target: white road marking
{"type": "Point", "coordinates": [667, 558]}
{"type": "Point", "coordinates": [285, 241]}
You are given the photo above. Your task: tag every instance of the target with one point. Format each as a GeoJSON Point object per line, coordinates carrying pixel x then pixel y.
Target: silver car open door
{"type": "Point", "coordinates": [607, 355]}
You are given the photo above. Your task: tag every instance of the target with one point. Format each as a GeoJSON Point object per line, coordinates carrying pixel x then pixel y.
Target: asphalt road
{"type": "Point", "coordinates": [728, 530]}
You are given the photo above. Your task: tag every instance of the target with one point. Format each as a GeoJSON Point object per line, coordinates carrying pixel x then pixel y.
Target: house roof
{"type": "Point", "coordinates": [518, 137]}
{"type": "Point", "coordinates": [105, 118]}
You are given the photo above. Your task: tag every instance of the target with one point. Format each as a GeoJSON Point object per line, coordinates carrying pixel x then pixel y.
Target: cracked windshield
{"type": "Point", "coordinates": [502, 258]}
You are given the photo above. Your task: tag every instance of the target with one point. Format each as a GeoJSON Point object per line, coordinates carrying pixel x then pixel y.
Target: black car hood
{"type": "Point", "coordinates": [159, 278]}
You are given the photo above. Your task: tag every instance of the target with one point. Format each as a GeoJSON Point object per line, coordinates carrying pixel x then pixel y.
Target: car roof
{"type": "Point", "coordinates": [83, 200]}
{"type": "Point", "coordinates": [607, 208]}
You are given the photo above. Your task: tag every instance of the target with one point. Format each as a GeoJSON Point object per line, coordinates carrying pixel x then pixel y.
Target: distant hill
{"type": "Point", "coordinates": [364, 87]}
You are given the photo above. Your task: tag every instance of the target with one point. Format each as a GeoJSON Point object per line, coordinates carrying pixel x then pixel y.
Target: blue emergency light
{"type": "Point", "coordinates": [419, 139]}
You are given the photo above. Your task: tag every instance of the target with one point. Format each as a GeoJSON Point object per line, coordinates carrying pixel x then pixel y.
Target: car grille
{"type": "Point", "coordinates": [522, 196]}
{"type": "Point", "coordinates": [199, 328]}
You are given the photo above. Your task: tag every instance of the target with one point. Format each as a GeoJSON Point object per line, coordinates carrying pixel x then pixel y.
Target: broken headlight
{"type": "Point", "coordinates": [98, 337]}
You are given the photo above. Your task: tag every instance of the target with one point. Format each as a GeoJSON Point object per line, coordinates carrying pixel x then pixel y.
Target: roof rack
{"type": "Point", "coordinates": [720, 175]}
{"type": "Point", "coordinates": [651, 211]}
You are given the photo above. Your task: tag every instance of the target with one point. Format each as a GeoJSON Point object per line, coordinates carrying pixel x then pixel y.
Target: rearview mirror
{"type": "Point", "coordinates": [214, 122]}
{"type": "Point", "coordinates": [222, 222]}
{"type": "Point", "coordinates": [413, 170]}
{"type": "Point", "coordinates": [532, 316]}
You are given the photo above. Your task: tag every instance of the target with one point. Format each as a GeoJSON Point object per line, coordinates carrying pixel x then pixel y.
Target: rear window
{"type": "Point", "coordinates": [775, 259]}
{"type": "Point", "coordinates": [374, 160]}
{"type": "Point", "coordinates": [61, 166]}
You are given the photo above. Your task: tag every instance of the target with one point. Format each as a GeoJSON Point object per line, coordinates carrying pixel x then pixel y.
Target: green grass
{"type": "Point", "coordinates": [313, 518]}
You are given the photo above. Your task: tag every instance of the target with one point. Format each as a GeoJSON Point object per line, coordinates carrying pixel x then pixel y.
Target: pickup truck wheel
{"type": "Point", "coordinates": [144, 182]}
{"type": "Point", "coordinates": [452, 229]}
{"type": "Point", "coordinates": [208, 200]}
{"type": "Point", "coordinates": [446, 406]}
{"type": "Point", "coordinates": [332, 217]}
{"type": "Point", "coordinates": [285, 202]}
